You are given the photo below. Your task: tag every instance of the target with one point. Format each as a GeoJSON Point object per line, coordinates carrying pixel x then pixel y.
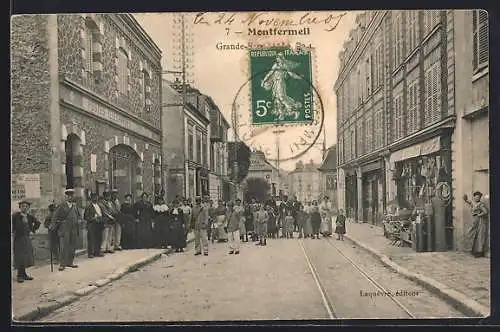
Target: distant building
{"type": "Point", "coordinates": [328, 169]}
{"type": "Point", "coordinates": [305, 181]}
{"type": "Point", "coordinates": [261, 168]}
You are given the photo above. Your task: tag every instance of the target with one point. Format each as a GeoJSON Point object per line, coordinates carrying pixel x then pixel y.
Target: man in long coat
{"type": "Point", "coordinates": [93, 217]}
{"type": "Point", "coordinates": [67, 219]}
{"type": "Point", "coordinates": [23, 223]}
{"type": "Point", "coordinates": [109, 220]}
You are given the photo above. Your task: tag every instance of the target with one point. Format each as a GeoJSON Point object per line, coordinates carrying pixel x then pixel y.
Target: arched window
{"type": "Point", "coordinates": [145, 90]}
{"type": "Point", "coordinates": [122, 71]}
{"type": "Point", "coordinates": [89, 56]}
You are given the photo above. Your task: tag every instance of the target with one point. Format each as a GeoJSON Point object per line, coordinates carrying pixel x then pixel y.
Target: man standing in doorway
{"type": "Point", "coordinates": [200, 216]}
{"type": "Point", "coordinates": [117, 239]}
{"type": "Point", "coordinates": [68, 219]}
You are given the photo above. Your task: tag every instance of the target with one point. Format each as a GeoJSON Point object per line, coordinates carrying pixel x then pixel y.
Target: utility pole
{"type": "Point", "coordinates": [277, 132]}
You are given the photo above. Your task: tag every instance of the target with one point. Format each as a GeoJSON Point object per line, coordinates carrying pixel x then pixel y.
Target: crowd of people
{"type": "Point", "coordinates": [113, 225]}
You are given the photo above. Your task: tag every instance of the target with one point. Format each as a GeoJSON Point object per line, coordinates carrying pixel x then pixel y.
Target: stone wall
{"type": "Point", "coordinates": [30, 81]}
{"type": "Point", "coordinates": [71, 63]}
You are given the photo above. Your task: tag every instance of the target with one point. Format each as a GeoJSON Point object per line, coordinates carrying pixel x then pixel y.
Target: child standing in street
{"type": "Point", "coordinates": [289, 220]}
{"type": "Point", "coordinates": [340, 225]}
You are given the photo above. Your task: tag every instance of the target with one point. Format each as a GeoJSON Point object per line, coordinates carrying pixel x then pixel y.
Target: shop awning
{"type": "Point", "coordinates": [421, 149]}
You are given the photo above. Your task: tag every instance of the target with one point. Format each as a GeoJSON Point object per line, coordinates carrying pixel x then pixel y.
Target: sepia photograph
{"type": "Point", "coordinates": [250, 166]}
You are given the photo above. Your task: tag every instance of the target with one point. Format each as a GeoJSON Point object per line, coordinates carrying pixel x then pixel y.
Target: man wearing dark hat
{"type": "Point", "coordinates": [67, 219]}
{"type": "Point", "coordinates": [23, 224]}
{"type": "Point", "coordinates": [117, 232]}
{"type": "Point", "coordinates": [93, 217]}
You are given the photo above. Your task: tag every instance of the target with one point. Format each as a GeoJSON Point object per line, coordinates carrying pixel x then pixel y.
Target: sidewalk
{"type": "Point", "coordinates": [52, 290]}
{"type": "Point", "coordinates": [456, 276]}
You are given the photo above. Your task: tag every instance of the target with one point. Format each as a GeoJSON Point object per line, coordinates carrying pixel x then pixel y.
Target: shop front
{"type": "Point", "coordinates": [202, 183]}
{"type": "Point", "coordinates": [372, 178]}
{"type": "Point", "coordinates": [422, 178]}
{"type": "Point", "coordinates": [351, 192]}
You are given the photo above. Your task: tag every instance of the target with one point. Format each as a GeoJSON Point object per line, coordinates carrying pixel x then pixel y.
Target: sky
{"type": "Point", "coordinates": [220, 73]}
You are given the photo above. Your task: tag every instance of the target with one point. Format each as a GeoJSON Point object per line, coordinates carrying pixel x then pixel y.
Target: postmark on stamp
{"type": "Point", "coordinates": [279, 99]}
{"type": "Point", "coordinates": [280, 87]}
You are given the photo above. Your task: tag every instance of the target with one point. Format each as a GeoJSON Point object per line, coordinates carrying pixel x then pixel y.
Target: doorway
{"type": "Point", "coordinates": [71, 148]}
{"type": "Point", "coordinates": [123, 169]}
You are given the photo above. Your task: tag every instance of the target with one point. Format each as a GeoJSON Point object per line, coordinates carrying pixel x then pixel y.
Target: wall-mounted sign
{"type": "Point", "coordinates": [25, 186]}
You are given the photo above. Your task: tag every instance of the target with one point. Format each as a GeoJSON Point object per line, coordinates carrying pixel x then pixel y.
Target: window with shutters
{"type": "Point", "coordinates": [398, 117]}
{"type": "Point", "coordinates": [198, 148]}
{"type": "Point", "coordinates": [353, 143]}
{"type": "Point", "coordinates": [431, 19]}
{"type": "Point", "coordinates": [359, 89]}
{"type": "Point", "coordinates": [413, 27]}
{"type": "Point", "coordinates": [368, 134]}
{"type": "Point", "coordinates": [378, 72]}
{"type": "Point", "coordinates": [413, 114]}
{"type": "Point", "coordinates": [480, 39]}
{"type": "Point", "coordinates": [89, 50]}
{"type": "Point", "coordinates": [432, 107]}
{"type": "Point", "coordinates": [368, 75]}
{"type": "Point", "coordinates": [360, 138]}
{"type": "Point", "coordinates": [122, 71]}
{"type": "Point", "coordinates": [379, 128]}
{"type": "Point", "coordinates": [191, 142]}
{"type": "Point", "coordinates": [397, 42]}
{"type": "Point", "coordinates": [347, 146]}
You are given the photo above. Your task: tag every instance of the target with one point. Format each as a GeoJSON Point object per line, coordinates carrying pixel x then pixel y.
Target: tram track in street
{"type": "Point", "coordinates": [332, 311]}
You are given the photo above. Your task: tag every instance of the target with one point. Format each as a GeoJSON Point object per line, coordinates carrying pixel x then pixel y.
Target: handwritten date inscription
{"type": "Point", "coordinates": [329, 21]}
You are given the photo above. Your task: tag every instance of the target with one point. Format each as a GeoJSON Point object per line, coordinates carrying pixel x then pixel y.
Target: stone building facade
{"type": "Point", "coordinates": [305, 182]}
{"type": "Point", "coordinates": [86, 104]}
{"type": "Point", "coordinates": [401, 125]}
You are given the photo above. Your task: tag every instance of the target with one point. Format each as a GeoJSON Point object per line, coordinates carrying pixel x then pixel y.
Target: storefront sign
{"type": "Point", "coordinates": [427, 147]}
{"type": "Point", "coordinates": [25, 186]}
{"type": "Point", "coordinates": [103, 112]}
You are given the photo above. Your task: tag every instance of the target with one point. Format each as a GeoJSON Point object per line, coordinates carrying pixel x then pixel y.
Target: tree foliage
{"type": "Point", "coordinates": [239, 153]}
{"type": "Point", "coordinates": [257, 188]}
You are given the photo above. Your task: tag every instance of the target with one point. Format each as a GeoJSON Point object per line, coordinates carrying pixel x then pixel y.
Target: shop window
{"type": "Point", "coordinates": [413, 30]}
{"type": "Point", "coordinates": [480, 39]}
{"type": "Point", "coordinates": [431, 20]}
{"type": "Point", "coordinates": [413, 115]}
{"type": "Point", "coordinates": [432, 109]}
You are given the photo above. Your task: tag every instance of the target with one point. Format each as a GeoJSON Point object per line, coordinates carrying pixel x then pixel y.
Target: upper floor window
{"type": "Point", "coordinates": [397, 42]}
{"type": "Point", "coordinates": [398, 116]}
{"type": "Point", "coordinates": [480, 39]}
{"type": "Point", "coordinates": [431, 19]}
{"type": "Point", "coordinates": [198, 148]}
{"type": "Point", "coordinates": [204, 149]}
{"type": "Point", "coordinates": [368, 134]}
{"type": "Point", "coordinates": [432, 107]}
{"type": "Point", "coordinates": [378, 70]}
{"type": "Point", "coordinates": [379, 128]}
{"type": "Point", "coordinates": [353, 143]}
{"type": "Point", "coordinates": [413, 116]}
{"type": "Point", "coordinates": [191, 143]}
{"type": "Point", "coordinates": [145, 89]}
{"type": "Point", "coordinates": [413, 27]}
{"type": "Point", "coordinates": [89, 50]}
{"type": "Point", "coordinates": [122, 71]}
{"type": "Point", "coordinates": [360, 138]}
{"type": "Point", "coordinates": [368, 75]}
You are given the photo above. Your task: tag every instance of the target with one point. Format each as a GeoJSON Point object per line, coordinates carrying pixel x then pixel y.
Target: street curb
{"type": "Point", "coordinates": [47, 308]}
{"type": "Point", "coordinates": [455, 298]}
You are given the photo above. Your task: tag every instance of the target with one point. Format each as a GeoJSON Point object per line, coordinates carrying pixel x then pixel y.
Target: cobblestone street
{"type": "Point", "coordinates": [262, 283]}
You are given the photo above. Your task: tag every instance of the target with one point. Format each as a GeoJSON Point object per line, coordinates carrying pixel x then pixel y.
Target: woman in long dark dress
{"type": "Point", "coordinates": [161, 226]}
{"type": "Point", "coordinates": [177, 238]}
{"type": "Point", "coordinates": [272, 228]}
{"type": "Point", "coordinates": [315, 220]}
{"type": "Point", "coordinates": [129, 223]}
{"type": "Point", "coordinates": [23, 224]}
{"type": "Point", "coordinates": [145, 215]}
{"type": "Point", "coordinates": [478, 233]}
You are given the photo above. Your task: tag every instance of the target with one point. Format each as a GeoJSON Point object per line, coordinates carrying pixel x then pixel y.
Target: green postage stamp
{"type": "Point", "coordinates": [281, 86]}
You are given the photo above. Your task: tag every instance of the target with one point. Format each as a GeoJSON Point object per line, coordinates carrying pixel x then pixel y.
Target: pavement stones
{"type": "Point", "coordinates": [458, 299]}
{"type": "Point", "coordinates": [39, 309]}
